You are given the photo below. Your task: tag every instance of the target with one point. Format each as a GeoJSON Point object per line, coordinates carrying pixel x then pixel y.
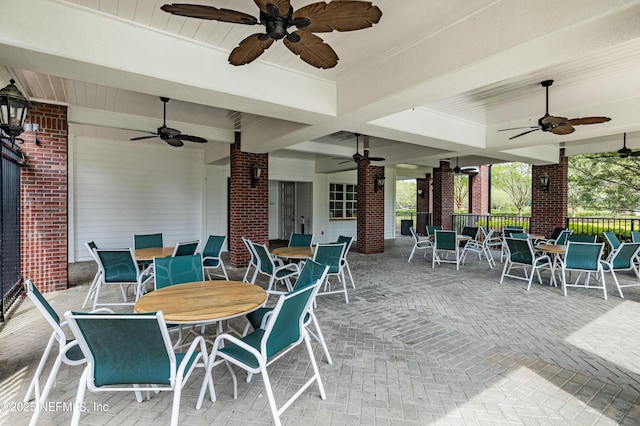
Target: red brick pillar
{"type": "Point", "coordinates": [248, 204]}
{"type": "Point", "coordinates": [479, 191]}
{"type": "Point", "coordinates": [443, 205]}
{"type": "Point", "coordinates": [43, 199]}
{"type": "Point", "coordinates": [423, 195]}
{"type": "Point", "coordinates": [370, 227]}
{"type": "Point", "coordinates": [549, 209]}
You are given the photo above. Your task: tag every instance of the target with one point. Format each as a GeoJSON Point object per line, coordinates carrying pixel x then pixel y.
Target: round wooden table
{"type": "Point", "coordinates": [552, 248]}
{"type": "Point", "coordinates": [151, 252]}
{"type": "Point", "coordinates": [555, 250]}
{"type": "Point", "coordinates": [203, 301]}
{"type": "Point", "coordinates": [294, 252]}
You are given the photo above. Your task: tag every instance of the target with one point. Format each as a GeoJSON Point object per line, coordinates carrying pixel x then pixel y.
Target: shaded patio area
{"type": "Point", "coordinates": [414, 346]}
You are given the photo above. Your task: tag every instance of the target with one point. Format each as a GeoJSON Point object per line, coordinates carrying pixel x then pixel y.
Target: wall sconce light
{"type": "Point", "coordinates": [421, 193]}
{"type": "Point", "coordinates": [544, 182]}
{"type": "Point", "coordinates": [379, 184]}
{"type": "Point", "coordinates": [13, 110]}
{"type": "Point", "coordinates": [33, 127]}
{"type": "Point", "coordinates": [256, 174]}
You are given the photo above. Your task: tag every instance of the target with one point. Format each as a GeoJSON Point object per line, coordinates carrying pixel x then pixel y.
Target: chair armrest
{"type": "Point", "coordinates": [198, 341]}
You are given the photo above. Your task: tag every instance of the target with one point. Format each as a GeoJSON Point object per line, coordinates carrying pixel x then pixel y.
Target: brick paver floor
{"type": "Point", "coordinates": [414, 346]}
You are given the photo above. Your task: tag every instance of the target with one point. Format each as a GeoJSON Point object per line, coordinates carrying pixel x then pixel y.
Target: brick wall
{"type": "Point", "coordinates": [248, 205]}
{"type": "Point", "coordinates": [44, 194]}
{"type": "Point", "coordinates": [479, 191]}
{"type": "Point", "coordinates": [443, 205]}
{"type": "Point", "coordinates": [370, 228]}
{"type": "Point", "coordinates": [549, 209]}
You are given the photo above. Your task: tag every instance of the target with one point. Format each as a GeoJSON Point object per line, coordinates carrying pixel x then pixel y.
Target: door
{"type": "Point", "coordinates": [288, 208]}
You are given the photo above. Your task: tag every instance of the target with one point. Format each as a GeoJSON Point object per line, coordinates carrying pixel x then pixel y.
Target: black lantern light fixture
{"type": "Point", "coordinates": [13, 110]}
{"type": "Point", "coordinates": [379, 184]}
{"type": "Point", "coordinates": [544, 182]}
{"type": "Point", "coordinates": [256, 174]}
{"type": "Point", "coordinates": [421, 193]}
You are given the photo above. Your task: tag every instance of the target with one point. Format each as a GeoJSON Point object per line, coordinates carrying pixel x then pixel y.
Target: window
{"type": "Point", "coordinates": [343, 201]}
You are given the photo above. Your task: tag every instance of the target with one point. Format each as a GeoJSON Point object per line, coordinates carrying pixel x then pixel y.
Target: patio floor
{"type": "Point", "coordinates": [414, 346]}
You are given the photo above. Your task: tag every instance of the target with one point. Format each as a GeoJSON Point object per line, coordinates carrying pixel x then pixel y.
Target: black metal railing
{"type": "Point", "coordinates": [622, 227]}
{"type": "Point", "coordinates": [10, 276]}
{"type": "Point", "coordinates": [495, 222]}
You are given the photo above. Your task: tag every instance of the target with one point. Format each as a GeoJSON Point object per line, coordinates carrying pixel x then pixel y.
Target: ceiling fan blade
{"type": "Point", "coordinates": [376, 159]}
{"type": "Point", "coordinates": [191, 138]}
{"type": "Point", "coordinates": [311, 49]}
{"type": "Point", "coordinates": [174, 142]}
{"type": "Point", "coordinates": [282, 6]}
{"type": "Point", "coordinates": [562, 130]}
{"type": "Point", "coordinates": [587, 120]}
{"type": "Point", "coordinates": [635, 154]}
{"type": "Point", "coordinates": [139, 138]}
{"type": "Point", "coordinates": [523, 133]}
{"type": "Point", "coordinates": [518, 128]}
{"type": "Point", "coordinates": [345, 15]}
{"type": "Point", "coordinates": [210, 13]}
{"type": "Point", "coordinates": [249, 49]}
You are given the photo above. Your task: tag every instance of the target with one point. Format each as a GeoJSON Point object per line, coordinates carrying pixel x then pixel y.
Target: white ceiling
{"type": "Point", "coordinates": [432, 80]}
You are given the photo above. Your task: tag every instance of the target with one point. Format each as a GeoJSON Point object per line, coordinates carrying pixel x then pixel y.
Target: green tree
{"type": "Point", "coordinates": [605, 182]}
{"type": "Point", "coordinates": [461, 191]}
{"type": "Point", "coordinates": [515, 180]}
{"type": "Point", "coordinates": [406, 194]}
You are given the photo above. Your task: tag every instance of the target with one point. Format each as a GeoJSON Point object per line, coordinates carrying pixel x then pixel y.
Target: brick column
{"type": "Point", "coordinates": [422, 203]}
{"type": "Point", "coordinates": [443, 205]}
{"type": "Point", "coordinates": [248, 205]}
{"type": "Point", "coordinates": [479, 191]}
{"type": "Point", "coordinates": [370, 227]}
{"type": "Point", "coordinates": [549, 209]}
{"type": "Point", "coordinates": [43, 199]}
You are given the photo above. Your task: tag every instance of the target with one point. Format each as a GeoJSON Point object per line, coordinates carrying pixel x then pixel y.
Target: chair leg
{"type": "Point", "coordinates": [246, 273]}
{"type": "Point", "coordinates": [344, 285]}
{"type": "Point", "coordinates": [270, 397]}
{"type": "Point", "coordinates": [34, 387]}
{"type": "Point", "coordinates": [615, 280]}
{"type": "Point", "coordinates": [92, 289]}
{"type": "Point", "coordinates": [319, 337]}
{"type": "Point", "coordinates": [411, 255]}
{"type": "Point", "coordinates": [224, 271]}
{"type": "Point", "coordinates": [315, 367]}
{"type": "Point", "coordinates": [77, 408]}
{"type": "Point", "coordinates": [353, 284]}
{"type": "Point", "coordinates": [175, 409]}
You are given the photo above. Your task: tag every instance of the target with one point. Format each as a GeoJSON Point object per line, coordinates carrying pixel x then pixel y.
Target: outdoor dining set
{"type": "Point", "coordinates": [525, 255]}
{"type": "Point", "coordinates": [176, 293]}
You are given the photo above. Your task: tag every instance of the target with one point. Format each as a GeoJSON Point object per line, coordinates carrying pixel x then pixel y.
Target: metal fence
{"type": "Point", "coordinates": [495, 222]}
{"type": "Point", "coordinates": [622, 227]}
{"type": "Point", "coordinates": [10, 278]}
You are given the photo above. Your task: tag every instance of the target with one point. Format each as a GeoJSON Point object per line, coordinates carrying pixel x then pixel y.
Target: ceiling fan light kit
{"type": "Point", "coordinates": [556, 125]}
{"type": "Point", "coordinates": [278, 17]}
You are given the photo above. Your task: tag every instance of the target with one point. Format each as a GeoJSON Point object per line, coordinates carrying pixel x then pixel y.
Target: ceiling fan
{"type": "Point", "coordinates": [623, 152]}
{"type": "Point", "coordinates": [556, 125]}
{"type": "Point", "coordinates": [171, 136]}
{"type": "Point", "coordinates": [457, 170]}
{"type": "Point", "coordinates": [278, 17]}
{"type": "Point", "coordinates": [357, 157]}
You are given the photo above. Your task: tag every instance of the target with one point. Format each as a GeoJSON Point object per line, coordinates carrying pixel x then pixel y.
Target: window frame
{"type": "Point", "coordinates": [343, 201]}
